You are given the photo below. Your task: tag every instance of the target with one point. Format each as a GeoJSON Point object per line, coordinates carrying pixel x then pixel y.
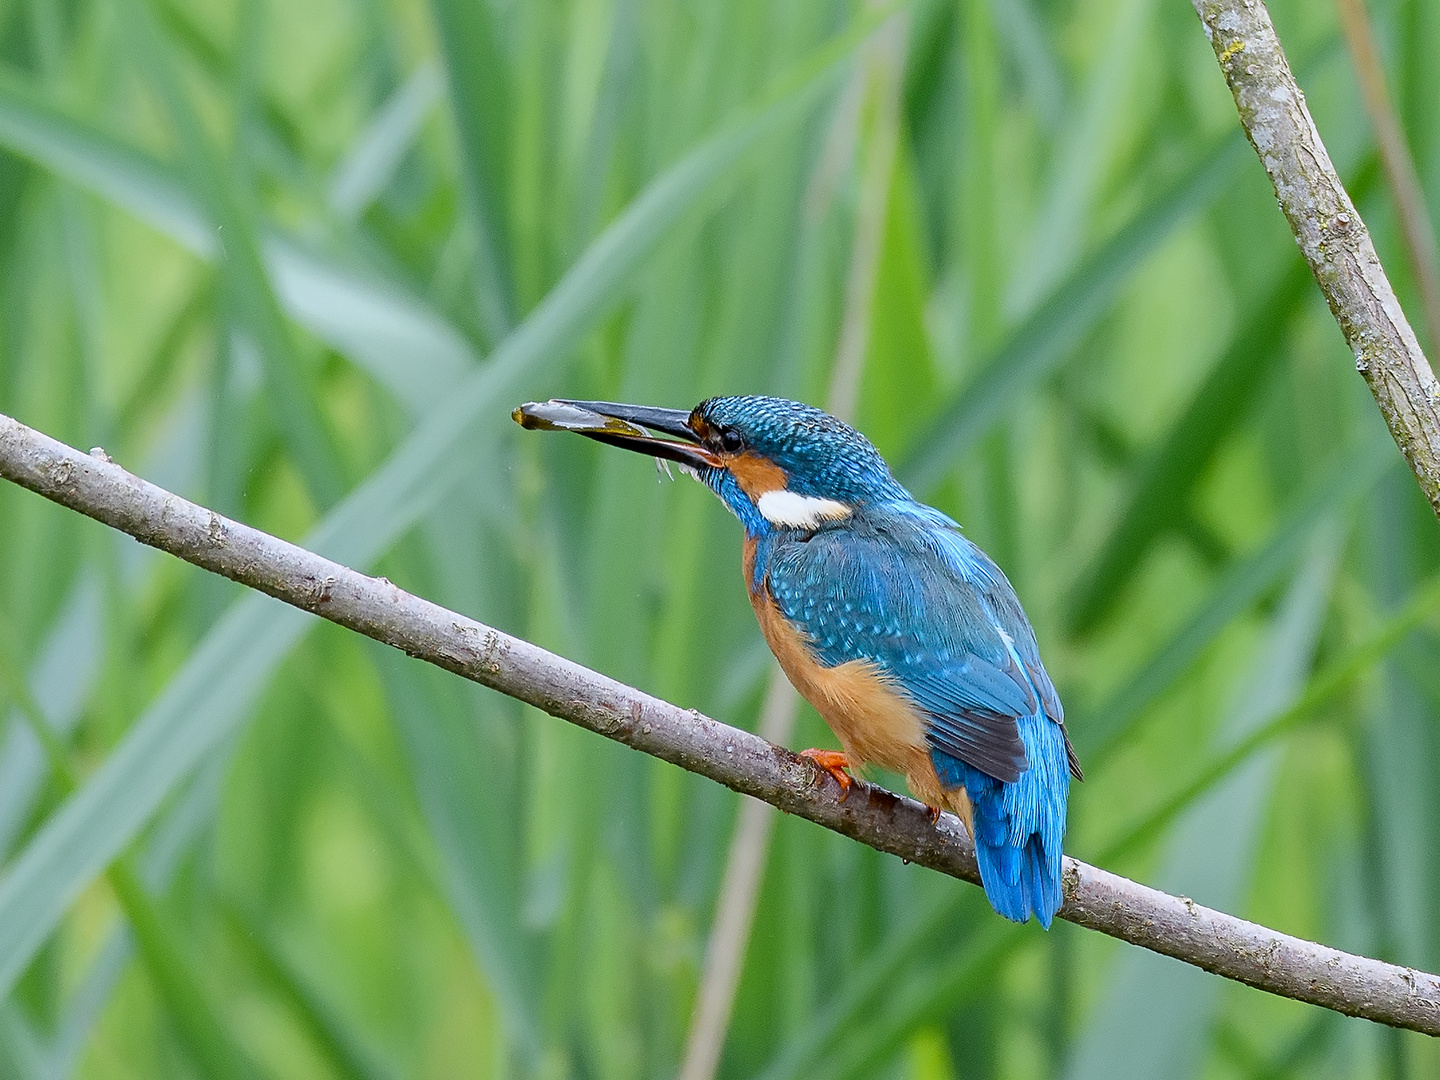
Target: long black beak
{"type": "Point", "coordinates": [625, 426]}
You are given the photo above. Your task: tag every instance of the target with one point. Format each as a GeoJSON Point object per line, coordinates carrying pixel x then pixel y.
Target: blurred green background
{"type": "Point", "coordinates": [298, 261]}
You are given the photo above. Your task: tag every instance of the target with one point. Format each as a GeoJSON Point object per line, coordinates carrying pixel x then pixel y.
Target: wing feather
{"type": "Point", "coordinates": [888, 597]}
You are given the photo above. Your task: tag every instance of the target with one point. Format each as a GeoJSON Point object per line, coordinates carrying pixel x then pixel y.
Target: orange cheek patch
{"type": "Point", "coordinates": [756, 475]}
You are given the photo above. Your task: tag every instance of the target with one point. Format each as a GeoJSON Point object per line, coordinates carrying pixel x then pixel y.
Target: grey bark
{"type": "Point", "coordinates": [1329, 232]}
{"type": "Point", "coordinates": [1174, 926]}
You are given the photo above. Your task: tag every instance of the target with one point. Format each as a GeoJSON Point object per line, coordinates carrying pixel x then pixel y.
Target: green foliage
{"type": "Point", "coordinates": [298, 261]}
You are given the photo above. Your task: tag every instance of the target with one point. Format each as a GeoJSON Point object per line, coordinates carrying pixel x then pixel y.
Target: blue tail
{"type": "Point", "coordinates": [1019, 827]}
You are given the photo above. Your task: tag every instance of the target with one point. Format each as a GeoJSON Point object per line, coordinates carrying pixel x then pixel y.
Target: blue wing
{"type": "Point", "coordinates": [973, 565]}
{"type": "Point", "coordinates": [936, 617]}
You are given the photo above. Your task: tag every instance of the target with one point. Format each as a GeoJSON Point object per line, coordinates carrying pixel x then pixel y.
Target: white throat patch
{"type": "Point", "coordinates": [799, 511]}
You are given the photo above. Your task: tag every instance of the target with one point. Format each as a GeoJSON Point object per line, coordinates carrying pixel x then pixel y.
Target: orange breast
{"type": "Point", "coordinates": [874, 721]}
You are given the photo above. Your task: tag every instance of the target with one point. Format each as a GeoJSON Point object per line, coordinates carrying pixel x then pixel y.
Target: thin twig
{"type": "Point", "coordinates": [1172, 925]}
{"type": "Point", "coordinates": [1416, 230]}
{"type": "Point", "coordinates": [1329, 232]}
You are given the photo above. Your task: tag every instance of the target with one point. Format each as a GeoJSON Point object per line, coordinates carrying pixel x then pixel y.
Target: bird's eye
{"type": "Point", "coordinates": [730, 441]}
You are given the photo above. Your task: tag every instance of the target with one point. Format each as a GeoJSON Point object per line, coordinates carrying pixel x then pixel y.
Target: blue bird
{"type": "Point", "coordinates": [904, 636]}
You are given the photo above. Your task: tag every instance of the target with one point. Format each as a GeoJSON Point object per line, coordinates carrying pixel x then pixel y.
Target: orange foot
{"type": "Point", "coordinates": [934, 814]}
{"type": "Point", "coordinates": [834, 763]}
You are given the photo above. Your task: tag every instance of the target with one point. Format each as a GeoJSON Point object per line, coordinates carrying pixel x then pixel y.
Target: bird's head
{"type": "Point", "coordinates": [775, 463]}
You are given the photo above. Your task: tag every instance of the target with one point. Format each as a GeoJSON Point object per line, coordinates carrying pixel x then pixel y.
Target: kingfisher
{"type": "Point", "coordinates": [905, 636]}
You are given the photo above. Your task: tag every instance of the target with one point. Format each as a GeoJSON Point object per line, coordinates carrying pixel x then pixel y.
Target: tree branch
{"type": "Point", "coordinates": [1171, 925]}
{"type": "Point", "coordinates": [1329, 232]}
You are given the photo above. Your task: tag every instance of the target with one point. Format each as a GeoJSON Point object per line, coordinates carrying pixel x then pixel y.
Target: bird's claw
{"type": "Point", "coordinates": [935, 812]}
{"type": "Point", "coordinates": [834, 763]}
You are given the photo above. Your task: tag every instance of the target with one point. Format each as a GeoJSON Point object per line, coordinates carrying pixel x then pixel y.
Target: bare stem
{"type": "Point", "coordinates": [1329, 232]}
{"type": "Point", "coordinates": [735, 907]}
{"type": "Point", "coordinates": [1172, 925]}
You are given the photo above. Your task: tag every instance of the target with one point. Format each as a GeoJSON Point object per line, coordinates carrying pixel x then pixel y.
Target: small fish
{"type": "Point", "coordinates": [562, 416]}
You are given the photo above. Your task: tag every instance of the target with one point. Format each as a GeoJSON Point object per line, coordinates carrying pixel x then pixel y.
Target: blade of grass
{"type": "Point", "coordinates": [215, 687]}
{"type": "Point", "coordinates": [83, 1009]}
{"type": "Point", "coordinates": [465, 812]}
{"type": "Point", "coordinates": [1041, 342]}
{"type": "Point", "coordinates": [155, 374]}
{"type": "Point", "coordinates": [231, 63]}
{"type": "Point", "coordinates": [1415, 661]}
{"type": "Point", "coordinates": [21, 1054]}
{"type": "Point", "coordinates": [925, 997]}
{"type": "Point", "coordinates": [197, 1018]}
{"type": "Point", "coordinates": [409, 347]}
{"type": "Point", "coordinates": [31, 126]}
{"type": "Point", "coordinates": [1100, 731]}
{"type": "Point", "coordinates": [1394, 743]}
{"type": "Point", "coordinates": [242, 269]}
{"type": "Point", "coordinates": [1040, 69]}
{"type": "Point", "coordinates": [978, 235]}
{"type": "Point", "coordinates": [173, 838]}
{"type": "Point", "coordinates": [405, 344]}
{"type": "Point", "coordinates": [208, 1043]}
{"type": "Point", "coordinates": [1085, 144]}
{"type": "Point", "coordinates": [747, 859]}
{"type": "Point", "coordinates": [1168, 475]}
{"type": "Point", "coordinates": [476, 85]}
{"type": "Point", "coordinates": [1301, 1050]}
{"type": "Point", "coordinates": [60, 680]}
{"type": "Point", "coordinates": [884, 69]}
{"type": "Point", "coordinates": [341, 1042]}
{"type": "Point", "coordinates": [861, 990]}
{"type": "Point", "coordinates": [1323, 688]}
{"type": "Point", "coordinates": [370, 163]}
